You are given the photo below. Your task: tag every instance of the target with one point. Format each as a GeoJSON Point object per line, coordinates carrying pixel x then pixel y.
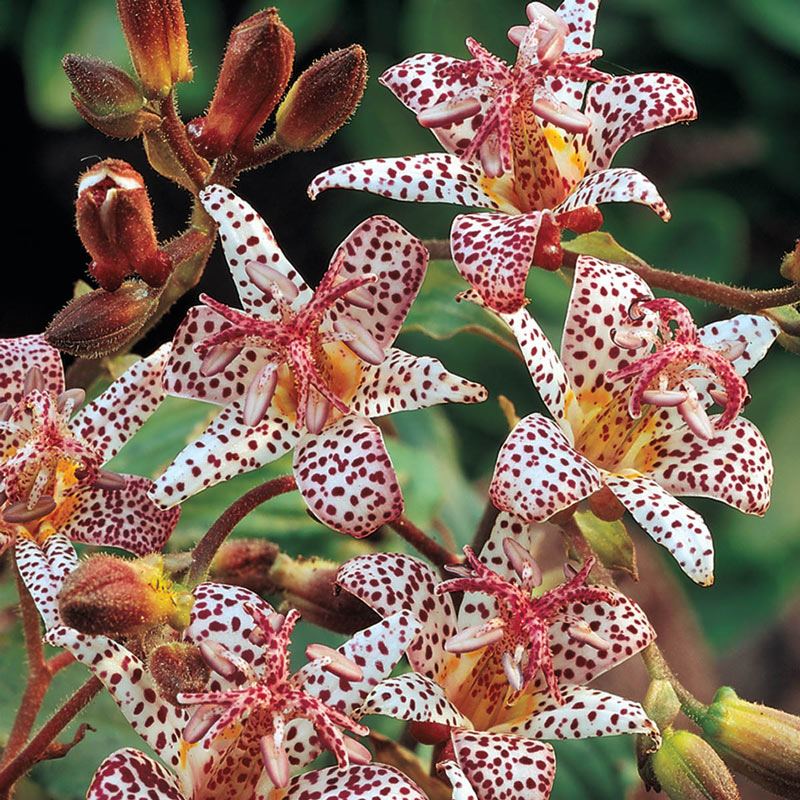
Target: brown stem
{"type": "Point", "coordinates": [175, 133]}
{"type": "Point", "coordinates": [38, 746]}
{"type": "Point", "coordinates": [484, 529]}
{"type": "Point", "coordinates": [746, 300]}
{"type": "Point", "coordinates": [59, 661]}
{"type": "Point", "coordinates": [267, 151]}
{"type": "Point", "coordinates": [421, 542]}
{"type": "Point", "coordinates": [216, 535]}
{"type": "Point", "coordinates": [438, 248]}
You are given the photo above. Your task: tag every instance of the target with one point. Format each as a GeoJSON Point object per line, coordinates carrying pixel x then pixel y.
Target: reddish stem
{"type": "Point", "coordinates": [421, 542]}
{"type": "Point", "coordinates": [262, 154]}
{"type": "Point", "coordinates": [175, 133]}
{"type": "Point", "coordinates": [216, 535]}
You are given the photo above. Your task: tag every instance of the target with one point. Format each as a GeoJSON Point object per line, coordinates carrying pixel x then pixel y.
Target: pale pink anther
{"type": "Point", "coordinates": [19, 512]}
{"type": "Point", "coordinates": [561, 115]}
{"type": "Point", "coordinates": [318, 410]}
{"type": "Point", "coordinates": [6, 410]}
{"type": "Point", "coordinates": [628, 338]}
{"type": "Point", "coordinates": [549, 30]}
{"type": "Point", "coordinates": [663, 398]}
{"type": "Point", "coordinates": [362, 343]}
{"type": "Point", "coordinates": [70, 401]}
{"type": "Point", "coordinates": [217, 359]}
{"type": "Point", "coordinates": [34, 381]}
{"type": "Point", "coordinates": [719, 396]}
{"type": "Point", "coordinates": [491, 157]}
{"type": "Point", "coordinates": [731, 350]}
{"type": "Point", "coordinates": [696, 418]}
{"type": "Point", "coordinates": [200, 723]}
{"type": "Point", "coordinates": [475, 637]}
{"type": "Point", "coordinates": [360, 297]}
{"type": "Point", "coordinates": [109, 481]}
{"type": "Point", "coordinates": [276, 762]}
{"type": "Point", "coordinates": [448, 113]}
{"type": "Point", "coordinates": [217, 658]}
{"type": "Point", "coordinates": [266, 277]}
{"type": "Point", "coordinates": [513, 671]}
{"type": "Point", "coordinates": [516, 34]}
{"type": "Point", "coordinates": [259, 394]}
{"type": "Point", "coordinates": [523, 562]}
{"type": "Point", "coordinates": [581, 632]}
{"type": "Point", "coordinates": [276, 621]}
{"type": "Point", "coordinates": [334, 662]}
{"type": "Point", "coordinates": [356, 752]}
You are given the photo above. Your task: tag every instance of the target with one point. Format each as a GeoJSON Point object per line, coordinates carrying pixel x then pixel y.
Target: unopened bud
{"type": "Point", "coordinates": [581, 220]}
{"type": "Point", "coordinates": [760, 742]}
{"type": "Point", "coordinates": [178, 667]}
{"type": "Point", "coordinates": [96, 324]}
{"type": "Point", "coordinates": [790, 266]}
{"type": "Point", "coordinates": [254, 75]}
{"type": "Point", "coordinates": [686, 768]}
{"type": "Point", "coordinates": [112, 596]}
{"type": "Point", "coordinates": [155, 33]}
{"type": "Point", "coordinates": [548, 253]}
{"type": "Point", "coordinates": [107, 97]}
{"type": "Point", "coordinates": [322, 99]}
{"type": "Point", "coordinates": [605, 505]}
{"type": "Point", "coordinates": [115, 223]}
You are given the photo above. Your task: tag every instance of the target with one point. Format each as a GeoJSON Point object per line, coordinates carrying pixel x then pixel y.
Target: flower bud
{"type": "Point", "coordinates": [254, 75]}
{"type": "Point", "coordinates": [246, 562]}
{"type": "Point", "coordinates": [760, 742]}
{"type": "Point", "coordinates": [687, 768]}
{"type": "Point", "coordinates": [790, 266]}
{"type": "Point", "coordinates": [548, 253]}
{"type": "Point", "coordinates": [107, 97]}
{"type": "Point", "coordinates": [97, 324]}
{"type": "Point", "coordinates": [115, 223]}
{"type": "Point", "coordinates": [322, 99]}
{"type": "Point", "coordinates": [581, 220]}
{"type": "Point", "coordinates": [115, 597]}
{"type": "Point", "coordinates": [178, 667]}
{"type": "Point", "coordinates": [605, 505]}
{"type": "Point", "coordinates": [155, 33]}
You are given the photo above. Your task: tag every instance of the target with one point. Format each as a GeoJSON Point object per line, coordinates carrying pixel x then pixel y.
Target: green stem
{"type": "Point", "coordinates": [216, 535]}
{"type": "Point", "coordinates": [659, 669]}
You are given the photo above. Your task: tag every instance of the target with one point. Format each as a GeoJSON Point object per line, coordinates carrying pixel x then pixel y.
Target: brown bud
{"type": "Point", "coordinates": [687, 768]}
{"type": "Point", "coordinates": [113, 596]}
{"type": "Point", "coordinates": [246, 562]}
{"type": "Point", "coordinates": [178, 667]}
{"type": "Point", "coordinates": [107, 97]}
{"type": "Point", "coordinates": [155, 33]}
{"type": "Point", "coordinates": [97, 324]}
{"type": "Point", "coordinates": [322, 99]}
{"type": "Point", "coordinates": [605, 505]}
{"type": "Point", "coordinates": [581, 220]}
{"type": "Point", "coordinates": [760, 742]}
{"type": "Point", "coordinates": [254, 75]}
{"type": "Point", "coordinates": [115, 223]}
{"type": "Point", "coordinates": [790, 266]}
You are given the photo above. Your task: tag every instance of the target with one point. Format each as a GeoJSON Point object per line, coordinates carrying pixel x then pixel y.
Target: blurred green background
{"type": "Point", "coordinates": [730, 178]}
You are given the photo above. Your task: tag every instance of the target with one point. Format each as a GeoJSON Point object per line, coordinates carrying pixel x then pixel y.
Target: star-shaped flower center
{"type": "Point", "coordinates": [298, 340]}
{"type": "Point", "coordinates": [519, 633]}
{"type": "Point", "coordinates": [513, 89]}
{"type": "Point", "coordinates": [674, 354]}
{"type": "Point", "coordinates": [270, 698]}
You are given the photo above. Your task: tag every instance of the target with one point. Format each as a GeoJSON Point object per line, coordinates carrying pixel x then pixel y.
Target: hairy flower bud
{"type": "Point", "coordinates": [115, 223]}
{"type": "Point", "coordinates": [322, 99]}
{"type": "Point", "coordinates": [97, 324]}
{"type": "Point", "coordinates": [246, 562]}
{"type": "Point", "coordinates": [686, 768]}
{"type": "Point", "coordinates": [155, 33]}
{"type": "Point", "coordinates": [107, 97]}
{"type": "Point", "coordinates": [254, 75]}
{"type": "Point", "coordinates": [178, 667]}
{"type": "Point", "coordinates": [760, 742]}
{"type": "Point", "coordinates": [112, 596]}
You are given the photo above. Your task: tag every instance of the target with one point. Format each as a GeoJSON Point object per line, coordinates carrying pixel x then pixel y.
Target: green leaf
{"type": "Point", "coordinates": [610, 540]}
{"type": "Point", "coordinates": [594, 769]}
{"type": "Point", "coordinates": [601, 245]}
{"type": "Point", "coordinates": [436, 313]}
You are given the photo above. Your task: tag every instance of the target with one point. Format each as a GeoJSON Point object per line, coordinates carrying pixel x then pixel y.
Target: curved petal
{"type": "Point", "coordinates": [182, 376]}
{"type": "Point", "coordinates": [158, 722]}
{"type": "Point", "coordinates": [425, 178]}
{"type": "Point", "coordinates": [380, 246]}
{"type": "Point", "coordinates": [670, 523]}
{"type": "Point", "coordinates": [618, 185]}
{"type": "Point", "coordinates": [18, 355]}
{"type": "Point", "coordinates": [128, 774]}
{"type": "Point", "coordinates": [414, 698]}
{"type": "Point", "coordinates": [391, 582]}
{"type": "Point", "coordinates": [538, 473]}
{"type": "Point", "coordinates": [601, 297]}
{"type": "Point", "coordinates": [43, 570]}
{"type": "Point", "coordinates": [494, 253]}
{"type": "Point", "coordinates": [633, 104]}
{"type": "Point", "coordinates": [346, 477]}
{"type": "Point", "coordinates": [585, 713]}
{"type": "Point", "coordinates": [109, 421]}
{"type": "Point", "coordinates": [404, 382]}
{"type": "Point", "coordinates": [505, 767]}
{"type": "Point", "coordinates": [125, 518]}
{"type": "Point", "coordinates": [367, 782]}
{"type": "Point", "coordinates": [245, 237]}
{"type": "Point", "coordinates": [458, 781]}
{"type": "Point", "coordinates": [735, 466]}
{"type": "Point", "coordinates": [228, 447]}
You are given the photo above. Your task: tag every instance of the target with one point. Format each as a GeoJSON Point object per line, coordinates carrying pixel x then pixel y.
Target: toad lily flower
{"type": "Point", "coordinates": [629, 398]}
{"type": "Point", "coordinates": [306, 369]}
{"type": "Point", "coordinates": [509, 669]}
{"type": "Point", "coordinates": [52, 454]}
{"type": "Point", "coordinates": [255, 725]}
{"type": "Point", "coordinates": [521, 141]}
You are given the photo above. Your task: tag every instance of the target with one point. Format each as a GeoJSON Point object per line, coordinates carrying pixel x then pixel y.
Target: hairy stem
{"type": "Point", "coordinates": [267, 151]}
{"type": "Point", "coordinates": [422, 543]}
{"type": "Point", "coordinates": [175, 134]}
{"type": "Point", "coordinates": [659, 669]}
{"type": "Point", "coordinates": [216, 535]}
